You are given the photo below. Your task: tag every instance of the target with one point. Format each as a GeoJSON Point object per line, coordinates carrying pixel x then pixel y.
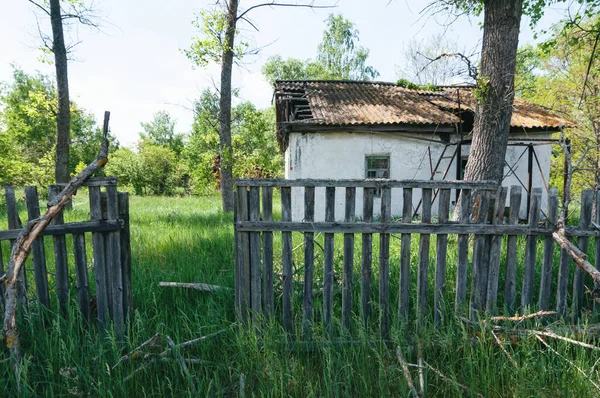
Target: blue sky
{"type": "Point", "coordinates": [134, 66]}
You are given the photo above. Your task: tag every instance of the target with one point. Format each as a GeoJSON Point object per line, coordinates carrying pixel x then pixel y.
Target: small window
{"type": "Point", "coordinates": [463, 166]}
{"type": "Point", "coordinates": [377, 166]}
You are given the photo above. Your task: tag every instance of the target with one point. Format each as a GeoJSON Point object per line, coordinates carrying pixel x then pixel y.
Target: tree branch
{"type": "Point", "coordinates": [275, 4]}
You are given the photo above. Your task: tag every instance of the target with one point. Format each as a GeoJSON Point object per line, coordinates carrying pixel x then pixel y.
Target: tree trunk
{"type": "Point", "coordinates": [496, 86]}
{"type": "Point", "coordinates": [226, 164]}
{"type": "Point", "coordinates": [63, 116]}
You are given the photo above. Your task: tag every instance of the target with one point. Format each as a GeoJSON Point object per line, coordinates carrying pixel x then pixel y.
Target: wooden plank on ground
{"type": "Point", "coordinates": [367, 257]}
{"type": "Point", "coordinates": [422, 274]}
{"type": "Point", "coordinates": [267, 238]}
{"type": "Point", "coordinates": [348, 261]}
{"type": "Point", "coordinates": [309, 263]}
{"type": "Point", "coordinates": [404, 285]}
{"type": "Point", "coordinates": [440, 258]}
{"type": "Point", "coordinates": [37, 249]}
{"type": "Point", "coordinates": [286, 252]}
{"type": "Point", "coordinates": [510, 281]}
{"type": "Point", "coordinates": [546, 279]}
{"type": "Point", "coordinates": [495, 249]}
{"type": "Point", "coordinates": [463, 252]}
{"type": "Point", "coordinates": [328, 272]}
{"type": "Point", "coordinates": [384, 264]}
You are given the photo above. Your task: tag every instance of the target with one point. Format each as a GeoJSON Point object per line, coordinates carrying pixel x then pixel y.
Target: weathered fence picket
{"type": "Point", "coordinates": [585, 219]}
{"type": "Point", "coordinates": [109, 226]}
{"type": "Point", "coordinates": [486, 230]}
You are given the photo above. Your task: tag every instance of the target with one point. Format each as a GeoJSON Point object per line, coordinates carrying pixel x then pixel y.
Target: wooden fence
{"type": "Point", "coordinates": [482, 245]}
{"type": "Point", "coordinates": [109, 228]}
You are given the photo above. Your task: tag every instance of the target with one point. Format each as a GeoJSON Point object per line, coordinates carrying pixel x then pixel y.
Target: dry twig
{"type": "Point", "coordinates": [407, 375]}
{"type": "Point", "coordinates": [449, 380]}
{"type": "Point", "coordinates": [512, 360]}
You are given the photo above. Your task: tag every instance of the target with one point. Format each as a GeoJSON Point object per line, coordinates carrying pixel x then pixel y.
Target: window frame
{"type": "Point", "coordinates": [378, 156]}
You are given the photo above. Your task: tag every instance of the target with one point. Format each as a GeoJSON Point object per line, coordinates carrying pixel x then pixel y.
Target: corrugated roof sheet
{"type": "Point", "coordinates": [372, 103]}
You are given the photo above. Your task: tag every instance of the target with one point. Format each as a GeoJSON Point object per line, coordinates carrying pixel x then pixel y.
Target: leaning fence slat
{"type": "Point", "coordinates": [479, 271]}
{"type": "Point", "coordinates": [384, 263]}
{"type": "Point", "coordinates": [404, 288]}
{"type": "Point", "coordinates": [255, 266]}
{"type": "Point", "coordinates": [546, 279]}
{"type": "Point", "coordinates": [422, 274]}
{"type": "Point", "coordinates": [440, 259]}
{"type": "Point", "coordinates": [328, 262]}
{"type": "Point", "coordinates": [367, 257]}
{"type": "Point", "coordinates": [244, 244]}
{"type": "Point", "coordinates": [118, 313]}
{"type": "Point", "coordinates": [496, 246]}
{"type": "Point", "coordinates": [286, 252]}
{"type": "Point", "coordinates": [81, 275]}
{"type": "Point", "coordinates": [348, 261]}
{"type": "Point", "coordinates": [510, 281]}
{"type": "Point", "coordinates": [37, 249]}
{"type": "Point", "coordinates": [15, 223]}
{"type": "Point", "coordinates": [126, 254]}
{"type": "Point", "coordinates": [587, 198]}
{"type": "Point", "coordinates": [309, 263]}
{"type": "Point", "coordinates": [60, 257]}
{"type": "Point", "coordinates": [531, 250]}
{"type": "Point", "coordinates": [99, 260]}
{"type": "Point", "coordinates": [463, 252]}
{"type": "Point", "coordinates": [267, 238]}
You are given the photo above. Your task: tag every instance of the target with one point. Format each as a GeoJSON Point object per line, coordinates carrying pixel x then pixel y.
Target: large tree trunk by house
{"type": "Point", "coordinates": [225, 110]}
{"type": "Point", "coordinates": [63, 116]}
{"type": "Point", "coordinates": [496, 85]}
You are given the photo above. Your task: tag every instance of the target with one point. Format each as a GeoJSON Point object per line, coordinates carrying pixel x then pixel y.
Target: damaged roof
{"type": "Point", "coordinates": [356, 103]}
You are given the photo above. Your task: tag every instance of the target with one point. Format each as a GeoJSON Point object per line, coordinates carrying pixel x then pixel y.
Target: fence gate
{"type": "Point", "coordinates": [111, 253]}
{"type": "Point", "coordinates": [493, 260]}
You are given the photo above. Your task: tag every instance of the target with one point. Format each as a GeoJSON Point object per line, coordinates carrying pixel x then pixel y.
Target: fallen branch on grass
{"type": "Point", "coordinates": [28, 235]}
{"type": "Point", "coordinates": [563, 338]}
{"type": "Point", "coordinates": [203, 287]}
{"type": "Point", "coordinates": [407, 375]}
{"type": "Point", "coordinates": [449, 380]}
{"type": "Point", "coordinates": [517, 318]}
{"type": "Point", "coordinates": [510, 358]}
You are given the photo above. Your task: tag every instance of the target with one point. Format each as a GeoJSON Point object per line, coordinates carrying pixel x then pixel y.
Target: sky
{"type": "Point", "coordinates": [134, 66]}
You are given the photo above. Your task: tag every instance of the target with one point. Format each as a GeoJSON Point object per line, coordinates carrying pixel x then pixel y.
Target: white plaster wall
{"type": "Point", "coordinates": [342, 156]}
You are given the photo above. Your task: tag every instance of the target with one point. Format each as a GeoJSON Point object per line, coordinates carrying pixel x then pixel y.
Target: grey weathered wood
{"type": "Point", "coordinates": [422, 274]}
{"type": "Point", "coordinates": [237, 258]}
{"type": "Point", "coordinates": [81, 275]}
{"type": "Point", "coordinates": [328, 271]}
{"type": "Point", "coordinates": [462, 265]}
{"type": "Point", "coordinates": [563, 282]}
{"type": "Point", "coordinates": [494, 258]}
{"type": "Point", "coordinates": [546, 279]}
{"type": "Point", "coordinates": [531, 250]}
{"type": "Point", "coordinates": [404, 285]}
{"type": "Point", "coordinates": [98, 182]}
{"type": "Point", "coordinates": [14, 223]}
{"type": "Point", "coordinates": [255, 265]}
{"type": "Point", "coordinates": [372, 183]}
{"type": "Point", "coordinates": [597, 241]}
{"type": "Point", "coordinates": [126, 254]}
{"type": "Point", "coordinates": [384, 264]}
{"type": "Point", "coordinates": [68, 229]}
{"type": "Point", "coordinates": [440, 258]}
{"type": "Point", "coordinates": [286, 252]}
{"type": "Point", "coordinates": [309, 263]}
{"type": "Point", "coordinates": [587, 199]}
{"type": "Point", "coordinates": [244, 244]}
{"type": "Point", "coordinates": [1, 284]}
{"type": "Point", "coordinates": [267, 238]}
{"type": "Point", "coordinates": [37, 249]}
{"type": "Point", "coordinates": [60, 257]}
{"type": "Point", "coordinates": [510, 281]}
{"type": "Point", "coordinates": [99, 260]}
{"type": "Point", "coordinates": [114, 259]}
{"type": "Point", "coordinates": [348, 261]}
{"type": "Point", "coordinates": [367, 257]}
{"type": "Point", "coordinates": [478, 276]}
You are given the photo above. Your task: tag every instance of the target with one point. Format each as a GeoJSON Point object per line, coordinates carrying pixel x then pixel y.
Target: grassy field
{"type": "Point", "coordinates": [189, 239]}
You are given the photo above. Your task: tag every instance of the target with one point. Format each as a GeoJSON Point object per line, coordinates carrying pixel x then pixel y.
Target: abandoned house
{"type": "Point", "coordinates": [353, 130]}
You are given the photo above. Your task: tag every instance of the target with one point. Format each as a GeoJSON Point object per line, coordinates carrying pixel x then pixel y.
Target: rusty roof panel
{"type": "Point", "coordinates": [339, 102]}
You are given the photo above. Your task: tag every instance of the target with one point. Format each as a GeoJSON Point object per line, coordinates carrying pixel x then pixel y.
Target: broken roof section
{"type": "Point", "coordinates": [326, 105]}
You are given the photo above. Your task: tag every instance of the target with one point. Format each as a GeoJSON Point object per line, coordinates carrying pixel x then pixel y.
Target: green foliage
{"type": "Point", "coordinates": [161, 131]}
{"type": "Point", "coordinates": [413, 86]}
{"type": "Point", "coordinates": [338, 58]}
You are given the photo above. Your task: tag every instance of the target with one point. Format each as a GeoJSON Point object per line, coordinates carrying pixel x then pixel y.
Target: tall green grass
{"type": "Point", "coordinates": [189, 239]}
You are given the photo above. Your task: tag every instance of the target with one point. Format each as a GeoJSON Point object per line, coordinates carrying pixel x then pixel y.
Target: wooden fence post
{"type": "Point", "coordinates": [531, 250]}
{"type": "Point", "coordinates": [100, 262]}
{"type": "Point", "coordinates": [367, 257]}
{"type": "Point", "coordinates": [255, 266]}
{"type": "Point", "coordinates": [60, 257]}
{"type": "Point", "coordinates": [267, 238]}
{"type": "Point", "coordinates": [587, 198]}
{"type": "Point", "coordinates": [14, 222]}
{"type": "Point", "coordinates": [309, 262]}
{"type": "Point", "coordinates": [126, 254]}
{"type": "Point", "coordinates": [37, 249]}
{"type": "Point", "coordinates": [440, 258]}
{"type": "Point", "coordinates": [114, 259]}
{"type": "Point", "coordinates": [286, 253]}
{"type": "Point", "coordinates": [597, 241]}
{"type": "Point", "coordinates": [546, 279]}
{"type": "Point", "coordinates": [463, 252]}
{"type": "Point", "coordinates": [478, 285]}
{"type": "Point", "coordinates": [328, 271]}
{"type": "Point", "coordinates": [404, 288]}
{"type": "Point", "coordinates": [244, 249]}
{"type": "Point", "coordinates": [496, 247]}
{"type": "Point", "coordinates": [348, 262]}
{"type": "Point", "coordinates": [510, 283]}
{"type": "Point", "coordinates": [384, 263]}
{"type": "Point", "coordinates": [424, 240]}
